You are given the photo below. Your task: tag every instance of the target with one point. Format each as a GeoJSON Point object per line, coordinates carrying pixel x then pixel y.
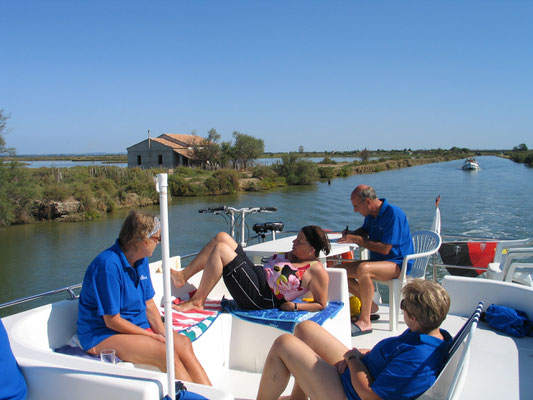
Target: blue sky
{"type": "Point", "coordinates": [94, 76]}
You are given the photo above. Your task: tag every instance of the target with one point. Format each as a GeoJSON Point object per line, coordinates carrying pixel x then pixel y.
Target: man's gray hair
{"type": "Point", "coordinates": [368, 193]}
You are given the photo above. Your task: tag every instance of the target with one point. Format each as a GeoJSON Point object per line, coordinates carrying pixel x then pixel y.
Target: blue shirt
{"type": "Point", "coordinates": [390, 227]}
{"type": "Point", "coordinates": [112, 286]}
{"type": "Point", "coordinates": [12, 383]}
{"type": "Point", "coordinates": [403, 367]}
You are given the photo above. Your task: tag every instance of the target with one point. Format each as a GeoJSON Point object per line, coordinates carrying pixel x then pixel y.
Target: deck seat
{"type": "Point", "coordinates": [250, 342]}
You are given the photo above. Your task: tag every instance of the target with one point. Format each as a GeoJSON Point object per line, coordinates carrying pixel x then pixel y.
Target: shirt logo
{"type": "Point", "coordinates": [143, 277]}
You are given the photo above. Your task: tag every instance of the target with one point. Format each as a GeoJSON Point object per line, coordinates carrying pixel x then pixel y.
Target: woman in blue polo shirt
{"type": "Point", "coordinates": [12, 383]}
{"type": "Point", "coordinates": [401, 367]}
{"type": "Point", "coordinates": [116, 308]}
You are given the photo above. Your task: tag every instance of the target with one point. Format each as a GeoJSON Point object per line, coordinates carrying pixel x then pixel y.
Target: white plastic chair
{"type": "Point", "coordinates": [518, 272]}
{"type": "Point", "coordinates": [426, 244]}
{"type": "Point", "coordinates": [450, 382]}
{"type": "Point", "coordinates": [503, 267]}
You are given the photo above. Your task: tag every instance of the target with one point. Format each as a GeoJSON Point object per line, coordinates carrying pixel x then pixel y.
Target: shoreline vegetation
{"type": "Point", "coordinates": [88, 192]}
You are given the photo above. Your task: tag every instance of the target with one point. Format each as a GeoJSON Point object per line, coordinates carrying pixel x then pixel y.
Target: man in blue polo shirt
{"type": "Point", "coordinates": [12, 383]}
{"type": "Point", "coordinates": [385, 233]}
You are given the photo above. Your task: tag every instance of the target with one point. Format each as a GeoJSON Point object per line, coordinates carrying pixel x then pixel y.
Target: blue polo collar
{"type": "Point", "coordinates": [384, 205]}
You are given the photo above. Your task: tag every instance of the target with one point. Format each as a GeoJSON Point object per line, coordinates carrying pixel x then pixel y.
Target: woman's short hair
{"type": "Point", "coordinates": [317, 238]}
{"type": "Point", "coordinates": [138, 226]}
{"type": "Point", "coordinates": [427, 302]}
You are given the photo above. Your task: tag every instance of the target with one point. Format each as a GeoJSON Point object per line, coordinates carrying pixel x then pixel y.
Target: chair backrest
{"type": "Point", "coordinates": [504, 246]}
{"type": "Point", "coordinates": [450, 381]}
{"type": "Point", "coordinates": [426, 244]}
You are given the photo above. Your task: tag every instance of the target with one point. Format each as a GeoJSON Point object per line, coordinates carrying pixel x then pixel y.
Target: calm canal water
{"type": "Point", "coordinates": [492, 202]}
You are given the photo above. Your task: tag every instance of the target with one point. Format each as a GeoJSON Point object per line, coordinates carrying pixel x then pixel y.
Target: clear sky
{"type": "Point", "coordinates": [94, 76]}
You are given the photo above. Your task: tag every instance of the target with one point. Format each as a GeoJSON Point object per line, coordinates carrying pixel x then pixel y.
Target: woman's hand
{"type": "Point", "coordinates": [159, 337]}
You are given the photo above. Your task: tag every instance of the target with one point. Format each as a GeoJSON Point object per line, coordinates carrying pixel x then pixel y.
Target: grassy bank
{"type": "Point", "coordinates": [80, 193]}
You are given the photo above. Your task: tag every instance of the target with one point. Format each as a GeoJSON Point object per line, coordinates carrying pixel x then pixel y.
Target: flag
{"type": "Point", "coordinates": [435, 226]}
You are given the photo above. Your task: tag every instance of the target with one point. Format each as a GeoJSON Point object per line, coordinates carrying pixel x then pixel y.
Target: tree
{"type": "Point", "coordinates": [247, 148]}
{"type": "Point", "coordinates": [300, 149]}
{"type": "Point", "coordinates": [364, 154]}
{"type": "Point", "coordinates": [226, 154]}
{"type": "Point", "coordinates": [208, 152]}
{"type": "Point", "coordinates": [3, 148]}
{"type": "Point", "coordinates": [297, 171]}
{"type": "Point", "coordinates": [16, 190]}
{"type": "Point", "coordinates": [521, 147]}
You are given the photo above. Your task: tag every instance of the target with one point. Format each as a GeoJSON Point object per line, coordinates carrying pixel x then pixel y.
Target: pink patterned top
{"type": "Point", "coordinates": [285, 279]}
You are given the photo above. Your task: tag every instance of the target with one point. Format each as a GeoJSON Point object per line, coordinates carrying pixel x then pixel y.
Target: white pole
{"type": "Point", "coordinates": [162, 186]}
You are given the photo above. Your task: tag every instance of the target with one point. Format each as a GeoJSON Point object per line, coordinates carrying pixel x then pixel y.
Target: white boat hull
{"type": "Point", "coordinates": [233, 351]}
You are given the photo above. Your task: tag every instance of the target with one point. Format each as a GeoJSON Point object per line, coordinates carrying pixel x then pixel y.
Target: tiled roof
{"type": "Point", "coordinates": [175, 146]}
{"type": "Point", "coordinates": [187, 139]}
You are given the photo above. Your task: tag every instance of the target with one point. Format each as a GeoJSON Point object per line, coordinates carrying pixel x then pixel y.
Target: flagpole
{"type": "Point", "coordinates": [162, 187]}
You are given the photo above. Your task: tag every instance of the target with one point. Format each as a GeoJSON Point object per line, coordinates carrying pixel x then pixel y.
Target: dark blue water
{"type": "Point", "coordinates": [492, 202]}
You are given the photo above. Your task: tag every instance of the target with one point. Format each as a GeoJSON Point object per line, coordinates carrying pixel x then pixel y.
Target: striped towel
{"type": "Point", "coordinates": [194, 323]}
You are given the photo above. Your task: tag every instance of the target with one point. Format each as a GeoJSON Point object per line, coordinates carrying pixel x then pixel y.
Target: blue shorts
{"type": "Point", "coordinates": [346, 380]}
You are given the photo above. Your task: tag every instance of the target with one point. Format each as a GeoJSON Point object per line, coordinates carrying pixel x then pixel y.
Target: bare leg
{"type": "Point", "coordinates": [365, 273]}
{"type": "Point", "coordinates": [183, 349]}
{"type": "Point", "coordinates": [289, 355]}
{"type": "Point", "coordinates": [179, 278]}
{"type": "Point", "coordinates": [141, 349]}
{"type": "Point", "coordinates": [220, 255]}
{"type": "Point", "coordinates": [323, 343]}
{"type": "Point", "coordinates": [360, 283]}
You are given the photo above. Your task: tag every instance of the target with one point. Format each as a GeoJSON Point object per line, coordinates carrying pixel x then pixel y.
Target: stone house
{"type": "Point", "coordinates": [168, 150]}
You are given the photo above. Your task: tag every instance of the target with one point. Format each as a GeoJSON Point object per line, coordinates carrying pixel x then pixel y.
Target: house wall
{"type": "Point", "coordinates": [157, 156]}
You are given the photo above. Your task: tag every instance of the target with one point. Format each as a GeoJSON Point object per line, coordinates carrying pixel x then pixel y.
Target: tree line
{"type": "Point", "coordinates": [79, 193]}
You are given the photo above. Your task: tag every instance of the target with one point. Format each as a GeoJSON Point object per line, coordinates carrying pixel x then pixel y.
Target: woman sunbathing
{"type": "Point", "coordinates": [401, 367]}
{"type": "Point", "coordinates": [116, 308]}
{"type": "Point", "coordinates": [283, 279]}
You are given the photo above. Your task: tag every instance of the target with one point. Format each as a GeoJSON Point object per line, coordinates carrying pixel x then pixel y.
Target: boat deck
{"type": "Point", "coordinates": [500, 366]}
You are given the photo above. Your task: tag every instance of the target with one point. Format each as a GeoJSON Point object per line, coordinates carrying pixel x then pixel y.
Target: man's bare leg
{"type": "Point", "coordinates": [353, 285]}
{"type": "Point", "coordinates": [366, 273]}
{"type": "Point", "coordinates": [180, 278]}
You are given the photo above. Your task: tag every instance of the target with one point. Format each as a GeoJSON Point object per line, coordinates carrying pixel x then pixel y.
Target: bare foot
{"type": "Point", "coordinates": [177, 278]}
{"type": "Point", "coordinates": [188, 305]}
{"type": "Point", "coordinates": [363, 326]}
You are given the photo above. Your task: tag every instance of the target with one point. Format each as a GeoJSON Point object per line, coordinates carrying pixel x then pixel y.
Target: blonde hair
{"type": "Point", "coordinates": [137, 226]}
{"type": "Point", "coordinates": [427, 302]}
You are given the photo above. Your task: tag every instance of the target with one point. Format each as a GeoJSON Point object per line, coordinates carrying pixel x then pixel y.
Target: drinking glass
{"type": "Point", "coordinates": [107, 356]}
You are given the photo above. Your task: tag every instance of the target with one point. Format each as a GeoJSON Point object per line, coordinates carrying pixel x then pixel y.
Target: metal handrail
{"type": "Point", "coordinates": [68, 289]}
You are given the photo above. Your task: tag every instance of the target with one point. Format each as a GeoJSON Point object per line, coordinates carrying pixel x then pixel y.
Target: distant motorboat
{"type": "Point", "coordinates": [470, 164]}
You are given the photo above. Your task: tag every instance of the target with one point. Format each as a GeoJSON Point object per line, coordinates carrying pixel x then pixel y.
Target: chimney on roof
{"type": "Point", "coordinates": [148, 139]}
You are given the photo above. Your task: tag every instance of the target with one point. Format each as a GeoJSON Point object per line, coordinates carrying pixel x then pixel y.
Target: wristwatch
{"type": "Point", "coordinates": [295, 306]}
